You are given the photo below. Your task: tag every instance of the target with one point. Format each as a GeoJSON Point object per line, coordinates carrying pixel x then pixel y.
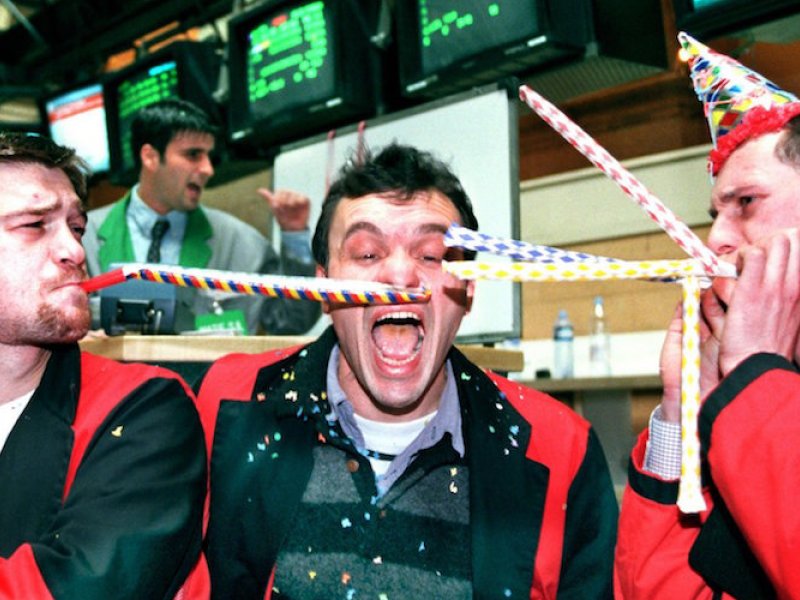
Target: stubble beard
{"type": "Point", "coordinates": [57, 326]}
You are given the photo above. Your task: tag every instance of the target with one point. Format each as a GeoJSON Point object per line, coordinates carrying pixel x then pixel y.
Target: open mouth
{"type": "Point", "coordinates": [398, 337]}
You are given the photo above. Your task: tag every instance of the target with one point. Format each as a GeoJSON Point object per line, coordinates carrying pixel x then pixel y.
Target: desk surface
{"type": "Point", "coordinates": [180, 348]}
{"type": "Point", "coordinates": [590, 384]}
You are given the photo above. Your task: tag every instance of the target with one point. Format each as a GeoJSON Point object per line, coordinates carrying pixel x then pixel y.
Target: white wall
{"type": "Point", "coordinates": [585, 205]}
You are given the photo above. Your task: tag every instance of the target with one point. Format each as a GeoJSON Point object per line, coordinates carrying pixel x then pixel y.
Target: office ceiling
{"type": "Point", "coordinates": [49, 42]}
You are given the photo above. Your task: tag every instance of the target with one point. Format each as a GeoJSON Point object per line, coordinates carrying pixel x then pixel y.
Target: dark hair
{"type": "Point", "coordinates": [158, 123]}
{"type": "Point", "coordinates": [399, 170]}
{"type": "Point", "coordinates": [30, 148]}
{"type": "Point", "coordinates": [788, 147]}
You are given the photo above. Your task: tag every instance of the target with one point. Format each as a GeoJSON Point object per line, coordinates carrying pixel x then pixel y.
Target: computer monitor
{"type": "Point", "coordinates": [76, 117]}
{"type": "Point", "coordinates": [297, 68]}
{"type": "Point", "coordinates": [451, 45]}
{"type": "Point", "coordinates": [709, 18]}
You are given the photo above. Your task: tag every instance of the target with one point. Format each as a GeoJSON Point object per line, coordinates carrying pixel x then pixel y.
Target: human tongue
{"type": "Point", "coordinates": [396, 341]}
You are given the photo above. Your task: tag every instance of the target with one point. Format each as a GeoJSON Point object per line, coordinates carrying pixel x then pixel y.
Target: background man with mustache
{"type": "Point", "coordinates": [378, 460]}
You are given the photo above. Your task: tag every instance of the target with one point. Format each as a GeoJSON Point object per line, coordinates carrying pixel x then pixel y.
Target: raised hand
{"type": "Point", "coordinates": [291, 209]}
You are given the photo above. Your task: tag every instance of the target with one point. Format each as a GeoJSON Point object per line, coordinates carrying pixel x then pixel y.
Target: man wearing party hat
{"type": "Point", "coordinates": [744, 544]}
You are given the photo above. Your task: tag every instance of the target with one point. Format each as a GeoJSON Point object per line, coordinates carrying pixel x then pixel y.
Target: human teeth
{"type": "Point", "coordinates": [398, 315]}
{"type": "Point", "coordinates": [398, 363]}
{"type": "Point", "coordinates": [398, 336]}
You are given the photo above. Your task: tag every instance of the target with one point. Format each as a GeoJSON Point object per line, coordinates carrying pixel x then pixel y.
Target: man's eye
{"type": "Point", "coordinates": [454, 254]}
{"type": "Point", "coordinates": [79, 230]}
{"type": "Point", "coordinates": [33, 225]}
{"type": "Point", "coordinates": [746, 200]}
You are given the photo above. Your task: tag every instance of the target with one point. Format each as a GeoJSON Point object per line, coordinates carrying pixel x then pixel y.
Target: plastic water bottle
{"type": "Point", "coordinates": [563, 352]}
{"type": "Point", "coordinates": [599, 341]}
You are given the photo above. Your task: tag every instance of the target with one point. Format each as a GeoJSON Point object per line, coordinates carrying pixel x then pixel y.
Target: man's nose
{"type": "Point", "coordinates": [67, 247]}
{"type": "Point", "coordinates": [725, 235]}
{"type": "Point", "coordinates": [207, 167]}
{"type": "Point", "coordinates": [400, 269]}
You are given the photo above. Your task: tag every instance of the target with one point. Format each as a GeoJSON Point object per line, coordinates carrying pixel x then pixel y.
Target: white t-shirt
{"type": "Point", "coordinates": [389, 438]}
{"type": "Point", "coordinates": [9, 415]}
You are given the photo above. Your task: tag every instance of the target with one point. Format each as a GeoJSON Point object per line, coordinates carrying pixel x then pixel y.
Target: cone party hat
{"type": "Point", "coordinates": [738, 103]}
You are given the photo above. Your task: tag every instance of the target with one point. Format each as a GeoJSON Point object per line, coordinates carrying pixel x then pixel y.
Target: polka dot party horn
{"type": "Point", "coordinates": [543, 263]}
{"type": "Point", "coordinates": [319, 289]}
{"type": "Point", "coordinates": [583, 271]}
{"type": "Point", "coordinates": [469, 239]}
{"type": "Point", "coordinates": [690, 492]}
{"type": "Point", "coordinates": [602, 159]}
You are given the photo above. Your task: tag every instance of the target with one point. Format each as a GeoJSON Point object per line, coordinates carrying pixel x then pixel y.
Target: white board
{"type": "Point", "coordinates": [476, 134]}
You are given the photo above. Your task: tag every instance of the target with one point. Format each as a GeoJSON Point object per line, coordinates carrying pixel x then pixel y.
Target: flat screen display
{"type": "Point", "coordinates": [152, 84]}
{"type": "Point", "coordinates": [289, 59]}
{"type": "Point", "coordinates": [453, 30]}
{"type": "Point", "coordinates": [297, 68]}
{"type": "Point", "coordinates": [703, 4]}
{"type": "Point", "coordinates": [706, 19]}
{"type": "Point", "coordinates": [77, 119]}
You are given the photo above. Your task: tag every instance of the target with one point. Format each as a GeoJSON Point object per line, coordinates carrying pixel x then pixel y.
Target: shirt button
{"type": "Point", "coordinates": [352, 465]}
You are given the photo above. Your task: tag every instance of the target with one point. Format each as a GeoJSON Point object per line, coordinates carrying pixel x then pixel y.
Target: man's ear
{"type": "Point", "coordinates": [321, 272]}
{"type": "Point", "coordinates": [149, 156]}
{"type": "Point", "coordinates": [470, 295]}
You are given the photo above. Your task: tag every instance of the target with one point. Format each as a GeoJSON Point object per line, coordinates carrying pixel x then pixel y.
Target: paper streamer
{"type": "Point", "coordinates": [585, 271]}
{"type": "Point", "coordinates": [319, 289]}
{"type": "Point", "coordinates": [469, 239]}
{"type": "Point", "coordinates": [600, 157]}
{"type": "Point", "coordinates": [690, 493]}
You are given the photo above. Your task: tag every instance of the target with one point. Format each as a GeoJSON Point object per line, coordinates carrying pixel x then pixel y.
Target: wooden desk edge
{"type": "Point", "coordinates": [178, 348]}
{"type": "Point", "coordinates": [590, 384]}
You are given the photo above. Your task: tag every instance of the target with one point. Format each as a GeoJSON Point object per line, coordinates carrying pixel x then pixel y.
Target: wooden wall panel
{"type": "Point", "coordinates": [641, 118]}
{"type": "Point", "coordinates": [630, 305]}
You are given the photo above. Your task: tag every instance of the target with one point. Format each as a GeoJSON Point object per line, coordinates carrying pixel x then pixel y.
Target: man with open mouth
{"type": "Point", "coordinates": [161, 220]}
{"type": "Point", "coordinates": [378, 461]}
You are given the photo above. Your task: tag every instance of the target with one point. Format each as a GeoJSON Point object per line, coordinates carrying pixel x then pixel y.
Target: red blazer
{"type": "Point", "coordinates": [748, 543]}
{"type": "Point", "coordinates": [104, 480]}
{"type": "Point", "coordinates": [544, 514]}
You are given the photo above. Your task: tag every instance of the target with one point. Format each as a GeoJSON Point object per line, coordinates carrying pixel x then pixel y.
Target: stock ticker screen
{"type": "Point", "coordinates": [703, 4]}
{"type": "Point", "coordinates": [152, 84]}
{"type": "Point", "coordinates": [289, 61]}
{"type": "Point", "coordinates": [454, 30]}
{"type": "Point", "coordinates": [78, 119]}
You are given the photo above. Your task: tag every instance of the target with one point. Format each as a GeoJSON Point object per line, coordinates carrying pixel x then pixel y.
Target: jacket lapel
{"type": "Point", "coordinates": [261, 463]}
{"type": "Point", "coordinates": [507, 490]}
{"type": "Point", "coordinates": [114, 237]}
{"type": "Point", "coordinates": [33, 463]}
{"type": "Point", "coordinates": [116, 245]}
{"type": "Point", "coordinates": [195, 249]}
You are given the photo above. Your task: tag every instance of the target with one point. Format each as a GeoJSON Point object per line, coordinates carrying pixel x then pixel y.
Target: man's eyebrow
{"type": "Point", "coordinates": [41, 211]}
{"type": "Point", "coordinates": [33, 211]}
{"type": "Point", "coordinates": [359, 226]}
{"type": "Point", "coordinates": [747, 189]}
{"type": "Point", "coordinates": [424, 229]}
